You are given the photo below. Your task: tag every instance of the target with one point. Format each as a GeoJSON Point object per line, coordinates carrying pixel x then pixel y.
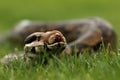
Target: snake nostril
{"type": "Point", "coordinates": [33, 50]}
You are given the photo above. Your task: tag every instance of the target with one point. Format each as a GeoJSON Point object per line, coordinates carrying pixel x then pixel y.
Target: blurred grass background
{"type": "Point", "coordinates": [13, 11]}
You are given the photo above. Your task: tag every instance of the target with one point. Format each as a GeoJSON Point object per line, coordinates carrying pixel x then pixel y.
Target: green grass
{"type": "Point", "coordinates": [93, 67]}
{"type": "Point", "coordinates": [85, 67]}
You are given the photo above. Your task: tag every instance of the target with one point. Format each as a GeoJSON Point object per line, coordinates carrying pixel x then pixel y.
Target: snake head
{"type": "Point", "coordinates": [53, 42]}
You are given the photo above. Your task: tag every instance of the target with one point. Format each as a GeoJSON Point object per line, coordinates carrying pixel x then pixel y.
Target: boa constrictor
{"type": "Point", "coordinates": [85, 34]}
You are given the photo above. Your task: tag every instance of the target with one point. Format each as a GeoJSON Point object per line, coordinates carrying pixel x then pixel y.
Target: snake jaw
{"type": "Point", "coordinates": [55, 45]}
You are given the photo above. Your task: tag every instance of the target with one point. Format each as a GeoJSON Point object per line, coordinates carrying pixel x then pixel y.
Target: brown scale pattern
{"type": "Point", "coordinates": [83, 33]}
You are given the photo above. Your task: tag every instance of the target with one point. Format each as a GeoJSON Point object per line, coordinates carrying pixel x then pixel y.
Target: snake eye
{"type": "Point", "coordinates": [30, 39]}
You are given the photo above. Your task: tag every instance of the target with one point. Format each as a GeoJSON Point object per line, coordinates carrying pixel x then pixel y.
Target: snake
{"type": "Point", "coordinates": [81, 35]}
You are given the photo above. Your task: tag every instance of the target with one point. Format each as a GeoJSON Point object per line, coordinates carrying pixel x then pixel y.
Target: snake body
{"type": "Point", "coordinates": [85, 34]}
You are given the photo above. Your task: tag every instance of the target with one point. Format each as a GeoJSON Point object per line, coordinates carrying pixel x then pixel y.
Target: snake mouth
{"type": "Point", "coordinates": [56, 45]}
{"type": "Point", "coordinates": [50, 42]}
